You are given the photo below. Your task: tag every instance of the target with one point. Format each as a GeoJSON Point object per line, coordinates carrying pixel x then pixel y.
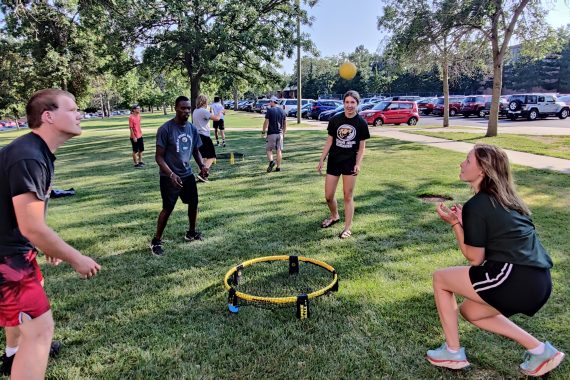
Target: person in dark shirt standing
{"type": "Point", "coordinates": [276, 126]}
{"type": "Point", "coordinates": [177, 141]}
{"type": "Point", "coordinates": [509, 272]}
{"type": "Point", "coordinates": [26, 173]}
{"type": "Point", "coordinates": [345, 147]}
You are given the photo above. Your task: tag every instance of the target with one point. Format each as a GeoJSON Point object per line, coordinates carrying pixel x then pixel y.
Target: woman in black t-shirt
{"type": "Point", "coordinates": [509, 272]}
{"type": "Point", "coordinates": [345, 148]}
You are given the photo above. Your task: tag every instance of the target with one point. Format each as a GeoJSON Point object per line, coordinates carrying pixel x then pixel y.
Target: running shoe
{"type": "Point", "coordinates": [441, 357]}
{"type": "Point", "coordinates": [270, 167]}
{"type": "Point", "coordinates": [156, 247]}
{"type": "Point", "coordinates": [538, 365]}
{"type": "Point", "coordinates": [193, 235]}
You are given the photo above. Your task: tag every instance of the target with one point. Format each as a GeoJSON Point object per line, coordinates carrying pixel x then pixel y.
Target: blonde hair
{"type": "Point", "coordinates": [201, 101]}
{"type": "Point", "coordinates": [42, 101]}
{"type": "Point", "coordinates": [498, 181]}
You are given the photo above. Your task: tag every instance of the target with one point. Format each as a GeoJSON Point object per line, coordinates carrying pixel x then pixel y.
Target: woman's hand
{"type": "Point", "coordinates": [320, 166]}
{"type": "Point", "coordinates": [457, 209]}
{"type": "Point", "coordinates": [446, 214]}
{"type": "Point", "coordinates": [356, 169]}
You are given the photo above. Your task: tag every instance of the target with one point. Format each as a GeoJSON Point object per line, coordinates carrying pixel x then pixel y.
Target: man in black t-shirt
{"type": "Point", "coordinates": [26, 172]}
{"type": "Point", "coordinates": [276, 125]}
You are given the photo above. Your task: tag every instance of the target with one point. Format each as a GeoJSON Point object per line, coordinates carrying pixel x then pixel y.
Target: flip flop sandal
{"type": "Point", "coordinates": [329, 222]}
{"type": "Point", "coordinates": [345, 234]}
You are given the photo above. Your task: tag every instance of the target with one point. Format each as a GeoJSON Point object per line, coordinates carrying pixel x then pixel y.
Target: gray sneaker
{"type": "Point", "coordinates": [538, 365]}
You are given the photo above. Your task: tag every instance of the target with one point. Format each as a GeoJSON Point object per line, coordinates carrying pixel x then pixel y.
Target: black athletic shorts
{"type": "Point", "coordinates": [338, 167]}
{"type": "Point", "coordinates": [170, 193]}
{"type": "Point", "coordinates": [138, 146]}
{"type": "Point", "coordinates": [511, 288]}
{"type": "Point", "coordinates": [207, 149]}
{"type": "Point", "coordinates": [219, 124]}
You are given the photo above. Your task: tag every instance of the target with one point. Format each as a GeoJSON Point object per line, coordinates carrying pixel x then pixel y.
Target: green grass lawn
{"type": "Point", "coordinates": [144, 317]}
{"type": "Point", "coordinates": [554, 146]}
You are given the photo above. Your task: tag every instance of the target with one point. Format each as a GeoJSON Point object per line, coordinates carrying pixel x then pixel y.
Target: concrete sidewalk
{"type": "Point", "coordinates": [520, 158]}
{"type": "Point", "coordinates": [526, 159]}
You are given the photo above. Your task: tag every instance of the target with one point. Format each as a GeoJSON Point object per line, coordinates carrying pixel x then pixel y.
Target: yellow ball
{"type": "Point", "coordinates": [347, 70]}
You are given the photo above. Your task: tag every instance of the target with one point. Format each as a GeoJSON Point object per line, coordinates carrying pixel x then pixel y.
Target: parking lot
{"type": "Point", "coordinates": [459, 121]}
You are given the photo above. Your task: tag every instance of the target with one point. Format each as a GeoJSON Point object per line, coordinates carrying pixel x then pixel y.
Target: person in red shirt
{"type": "Point", "coordinates": [136, 136]}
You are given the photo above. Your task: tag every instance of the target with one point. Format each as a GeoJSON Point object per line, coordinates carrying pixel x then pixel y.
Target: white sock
{"type": "Point", "coordinates": [538, 350]}
{"type": "Point", "coordinates": [11, 351]}
{"type": "Point", "coordinates": [451, 350]}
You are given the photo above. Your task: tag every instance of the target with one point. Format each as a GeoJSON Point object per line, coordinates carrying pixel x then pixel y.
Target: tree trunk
{"type": "Point", "coordinates": [493, 125]}
{"type": "Point", "coordinates": [194, 90]}
{"type": "Point", "coordinates": [445, 92]}
{"type": "Point", "coordinates": [164, 108]}
{"type": "Point", "coordinates": [235, 91]}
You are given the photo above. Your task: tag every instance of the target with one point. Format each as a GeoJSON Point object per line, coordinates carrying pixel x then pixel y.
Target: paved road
{"type": "Point", "coordinates": [504, 124]}
{"type": "Point", "coordinates": [545, 127]}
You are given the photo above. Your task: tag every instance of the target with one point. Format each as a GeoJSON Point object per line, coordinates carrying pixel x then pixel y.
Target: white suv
{"type": "Point", "coordinates": [289, 104]}
{"type": "Point", "coordinates": [534, 106]}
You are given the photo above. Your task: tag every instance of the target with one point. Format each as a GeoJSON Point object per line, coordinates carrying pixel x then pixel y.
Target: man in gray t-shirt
{"type": "Point", "coordinates": [177, 141]}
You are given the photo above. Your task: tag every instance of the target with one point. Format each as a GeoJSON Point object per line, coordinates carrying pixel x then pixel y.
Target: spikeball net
{"type": "Point", "coordinates": [269, 284]}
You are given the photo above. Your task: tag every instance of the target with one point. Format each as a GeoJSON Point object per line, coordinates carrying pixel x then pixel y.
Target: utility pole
{"type": "Point", "coordinates": [299, 93]}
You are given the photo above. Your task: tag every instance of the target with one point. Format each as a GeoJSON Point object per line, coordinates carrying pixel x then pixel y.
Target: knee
{"type": "Point", "coordinates": [329, 198]}
{"type": "Point", "coordinates": [438, 279]}
{"type": "Point", "coordinates": [348, 197]}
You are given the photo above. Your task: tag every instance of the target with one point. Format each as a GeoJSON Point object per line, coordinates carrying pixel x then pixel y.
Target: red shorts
{"type": "Point", "coordinates": [21, 292]}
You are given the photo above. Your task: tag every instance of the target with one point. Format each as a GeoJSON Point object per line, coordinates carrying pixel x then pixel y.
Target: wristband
{"type": "Point", "coordinates": [453, 225]}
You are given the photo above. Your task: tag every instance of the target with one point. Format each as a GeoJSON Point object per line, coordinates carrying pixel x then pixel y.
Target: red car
{"type": "Point", "coordinates": [474, 105]}
{"type": "Point", "coordinates": [392, 112]}
{"type": "Point", "coordinates": [454, 105]}
{"type": "Point", "coordinates": [426, 105]}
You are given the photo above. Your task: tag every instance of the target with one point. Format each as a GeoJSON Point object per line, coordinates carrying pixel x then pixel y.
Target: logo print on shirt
{"type": "Point", "coordinates": [345, 135]}
{"type": "Point", "coordinates": [183, 143]}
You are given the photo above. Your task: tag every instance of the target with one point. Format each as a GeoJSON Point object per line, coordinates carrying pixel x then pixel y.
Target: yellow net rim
{"type": "Point", "coordinates": [279, 300]}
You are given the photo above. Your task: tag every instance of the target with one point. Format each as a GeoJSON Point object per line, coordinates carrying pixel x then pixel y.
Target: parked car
{"type": "Point", "coordinates": [304, 110]}
{"type": "Point", "coordinates": [474, 105]}
{"type": "Point", "coordinates": [323, 105]}
{"type": "Point", "coordinates": [326, 115]}
{"type": "Point", "coordinates": [503, 106]}
{"type": "Point", "coordinates": [426, 105]}
{"type": "Point", "coordinates": [392, 112]}
{"type": "Point", "coordinates": [406, 97]}
{"type": "Point", "coordinates": [288, 104]}
{"type": "Point", "coordinates": [454, 105]}
{"type": "Point", "coordinates": [258, 105]}
{"type": "Point", "coordinates": [366, 106]}
{"type": "Point", "coordinates": [564, 99]}
{"type": "Point", "coordinates": [534, 106]}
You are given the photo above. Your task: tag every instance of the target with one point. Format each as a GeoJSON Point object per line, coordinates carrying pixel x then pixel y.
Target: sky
{"type": "Point", "coordinates": [342, 25]}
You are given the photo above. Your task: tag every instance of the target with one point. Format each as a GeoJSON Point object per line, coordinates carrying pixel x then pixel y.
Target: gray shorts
{"type": "Point", "coordinates": [274, 142]}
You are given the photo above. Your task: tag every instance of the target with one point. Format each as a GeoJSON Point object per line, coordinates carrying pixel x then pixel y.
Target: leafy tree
{"type": "Point", "coordinates": [52, 39]}
{"type": "Point", "coordinates": [427, 32]}
{"type": "Point", "coordinates": [205, 38]}
{"type": "Point", "coordinates": [498, 21]}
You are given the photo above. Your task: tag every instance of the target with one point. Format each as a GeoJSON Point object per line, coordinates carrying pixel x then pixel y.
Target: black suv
{"type": "Point", "coordinates": [534, 106]}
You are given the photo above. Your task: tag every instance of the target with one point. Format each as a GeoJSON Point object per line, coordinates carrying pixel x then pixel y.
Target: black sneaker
{"type": "Point", "coordinates": [195, 235]}
{"type": "Point", "coordinates": [54, 348]}
{"type": "Point", "coordinates": [156, 247]}
{"type": "Point", "coordinates": [270, 167]}
{"type": "Point", "coordinates": [141, 163]}
{"type": "Point", "coordinates": [223, 144]}
{"type": "Point", "coordinates": [277, 169]}
{"type": "Point", "coordinates": [217, 143]}
{"type": "Point", "coordinates": [6, 366]}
